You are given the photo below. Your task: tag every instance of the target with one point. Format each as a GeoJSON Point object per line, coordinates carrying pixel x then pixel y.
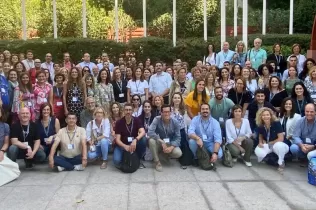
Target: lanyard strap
{"type": "Point", "coordinates": [46, 130]}
{"type": "Point", "coordinates": [130, 130]}
{"type": "Point", "coordinates": [137, 86]}
{"type": "Point", "coordinates": [309, 128]}
{"type": "Point", "coordinates": [300, 106]}
{"type": "Point", "coordinates": [238, 132]}
{"type": "Point", "coordinates": [25, 133]}
{"type": "Point", "coordinates": [278, 58]}
{"type": "Point", "coordinates": [165, 129]}
{"type": "Point", "coordinates": [202, 126]}
{"type": "Point", "coordinates": [72, 138]}
{"type": "Point", "coordinates": [239, 101]}
{"type": "Point", "coordinates": [268, 133]}
{"type": "Point", "coordinates": [120, 86]}
{"type": "Point", "coordinates": [59, 93]}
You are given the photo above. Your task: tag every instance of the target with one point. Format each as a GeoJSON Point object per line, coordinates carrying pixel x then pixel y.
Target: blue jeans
{"type": "Point", "coordinates": [208, 145]}
{"type": "Point", "coordinates": [15, 153]}
{"type": "Point", "coordinates": [67, 163]}
{"type": "Point", "coordinates": [297, 152]}
{"type": "Point", "coordinates": [118, 151]}
{"type": "Point", "coordinates": [101, 149]}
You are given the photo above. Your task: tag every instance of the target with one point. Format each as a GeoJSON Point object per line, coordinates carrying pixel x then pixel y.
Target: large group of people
{"type": "Point", "coordinates": [72, 114]}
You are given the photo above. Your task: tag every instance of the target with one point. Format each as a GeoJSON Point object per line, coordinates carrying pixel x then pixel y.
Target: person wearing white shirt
{"type": "Point", "coordinates": [296, 51]}
{"type": "Point", "coordinates": [225, 55]}
{"type": "Point", "coordinates": [238, 133]}
{"type": "Point", "coordinates": [210, 57]}
{"type": "Point", "coordinates": [98, 136]}
{"type": "Point", "coordinates": [137, 85]}
{"type": "Point", "coordinates": [105, 62]}
{"type": "Point", "coordinates": [86, 62]}
{"type": "Point", "coordinates": [48, 64]}
{"type": "Point", "coordinates": [29, 62]}
{"type": "Point", "coordinates": [160, 83]}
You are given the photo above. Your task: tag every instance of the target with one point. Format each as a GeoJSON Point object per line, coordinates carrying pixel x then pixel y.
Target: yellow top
{"type": "Point", "coordinates": [195, 104]}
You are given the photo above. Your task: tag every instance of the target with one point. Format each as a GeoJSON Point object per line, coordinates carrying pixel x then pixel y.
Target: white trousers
{"type": "Point", "coordinates": [279, 148]}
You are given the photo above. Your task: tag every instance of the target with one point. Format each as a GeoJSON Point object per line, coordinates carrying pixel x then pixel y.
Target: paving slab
{"type": "Point", "coordinates": [110, 175]}
{"type": "Point", "coordinates": [174, 174]}
{"type": "Point", "coordinates": [239, 172]}
{"type": "Point", "coordinates": [204, 176]}
{"type": "Point", "coordinates": [143, 196]}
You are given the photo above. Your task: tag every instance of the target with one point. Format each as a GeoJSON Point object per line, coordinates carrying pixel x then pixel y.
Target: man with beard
{"type": "Point", "coordinates": [205, 130]}
{"type": "Point", "coordinates": [87, 114]}
{"type": "Point", "coordinates": [220, 107]}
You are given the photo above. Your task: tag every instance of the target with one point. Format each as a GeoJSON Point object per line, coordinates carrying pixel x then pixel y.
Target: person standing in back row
{"type": "Point", "coordinates": [257, 55]}
{"type": "Point", "coordinates": [225, 55]}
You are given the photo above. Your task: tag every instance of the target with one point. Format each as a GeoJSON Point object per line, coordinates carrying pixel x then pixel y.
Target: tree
{"type": "Point", "coordinates": [304, 14]}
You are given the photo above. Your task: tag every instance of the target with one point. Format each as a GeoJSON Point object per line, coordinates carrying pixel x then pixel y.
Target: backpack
{"type": "Point", "coordinates": [227, 157]}
{"type": "Point", "coordinates": [130, 162]}
{"type": "Point", "coordinates": [204, 159]}
{"type": "Point", "coordinates": [187, 155]}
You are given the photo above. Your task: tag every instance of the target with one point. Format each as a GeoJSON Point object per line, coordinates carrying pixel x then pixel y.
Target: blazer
{"type": "Point", "coordinates": [290, 124]}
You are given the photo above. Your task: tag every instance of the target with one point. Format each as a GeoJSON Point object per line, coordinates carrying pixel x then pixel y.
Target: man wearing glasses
{"type": "Point", "coordinates": [87, 114]}
{"type": "Point", "coordinates": [105, 61]}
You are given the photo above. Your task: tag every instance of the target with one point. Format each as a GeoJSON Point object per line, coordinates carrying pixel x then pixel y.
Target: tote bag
{"type": "Point", "coordinates": [9, 171]}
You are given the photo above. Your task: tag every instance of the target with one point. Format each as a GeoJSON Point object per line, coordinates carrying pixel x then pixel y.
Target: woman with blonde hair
{"type": "Point", "coordinates": [210, 84]}
{"type": "Point", "coordinates": [240, 55]}
{"type": "Point", "coordinates": [181, 84]}
{"type": "Point", "coordinates": [311, 83]}
{"type": "Point", "coordinates": [271, 137]}
{"type": "Point", "coordinates": [98, 136]}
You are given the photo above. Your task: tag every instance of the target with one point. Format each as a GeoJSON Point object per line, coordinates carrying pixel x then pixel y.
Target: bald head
{"type": "Point", "coordinates": [24, 115]}
{"type": "Point", "coordinates": [225, 46]}
{"type": "Point", "coordinates": [310, 112]}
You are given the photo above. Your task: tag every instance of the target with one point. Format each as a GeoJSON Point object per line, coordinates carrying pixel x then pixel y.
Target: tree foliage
{"type": "Point", "coordinates": [304, 14]}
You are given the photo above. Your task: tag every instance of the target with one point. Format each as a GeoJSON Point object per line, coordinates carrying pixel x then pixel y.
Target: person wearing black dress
{"type": "Point", "coordinates": [275, 93]}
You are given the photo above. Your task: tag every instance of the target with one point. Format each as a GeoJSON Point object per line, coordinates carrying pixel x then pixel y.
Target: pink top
{"type": "Point", "coordinates": [41, 94]}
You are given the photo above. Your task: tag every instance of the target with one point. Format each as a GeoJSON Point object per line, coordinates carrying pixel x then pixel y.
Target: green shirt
{"type": "Point", "coordinates": [256, 57]}
{"type": "Point", "coordinates": [220, 110]}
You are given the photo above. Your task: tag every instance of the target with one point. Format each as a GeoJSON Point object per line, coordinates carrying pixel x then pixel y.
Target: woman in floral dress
{"type": "Point", "coordinates": [104, 90]}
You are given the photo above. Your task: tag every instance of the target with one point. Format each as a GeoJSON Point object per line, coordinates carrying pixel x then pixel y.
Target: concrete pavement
{"type": "Point", "coordinates": [240, 187]}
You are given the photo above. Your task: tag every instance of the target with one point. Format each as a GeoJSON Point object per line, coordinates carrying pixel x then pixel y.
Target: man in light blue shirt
{"type": "Point", "coordinates": [225, 55]}
{"type": "Point", "coordinates": [87, 62]}
{"type": "Point", "coordinates": [48, 64]}
{"type": "Point", "coordinates": [305, 135]}
{"type": "Point", "coordinates": [105, 62]}
{"type": "Point", "coordinates": [257, 55]}
{"type": "Point", "coordinates": [159, 83]}
{"type": "Point", "coordinates": [205, 130]}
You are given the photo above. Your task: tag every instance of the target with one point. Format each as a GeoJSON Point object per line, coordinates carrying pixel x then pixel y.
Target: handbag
{"type": "Point", "coordinates": [9, 171]}
{"type": "Point", "coordinates": [227, 157]}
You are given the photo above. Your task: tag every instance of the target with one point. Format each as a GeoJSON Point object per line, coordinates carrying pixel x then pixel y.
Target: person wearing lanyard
{"type": "Point", "coordinates": [73, 147]}
{"type": "Point", "coordinates": [301, 97]}
{"type": "Point", "coordinates": [130, 135]}
{"type": "Point", "coordinates": [119, 86]}
{"type": "Point", "coordinates": [48, 126]}
{"type": "Point", "coordinates": [25, 140]}
{"type": "Point", "coordinates": [225, 55]}
{"type": "Point", "coordinates": [257, 55]}
{"type": "Point", "coordinates": [238, 136]}
{"type": "Point", "coordinates": [137, 86]}
{"type": "Point", "coordinates": [180, 84]}
{"type": "Point", "coordinates": [279, 59]}
{"type": "Point", "coordinates": [205, 131]}
{"type": "Point", "coordinates": [271, 137]}
{"type": "Point", "coordinates": [164, 136]}
{"type": "Point", "coordinates": [29, 62]}
{"type": "Point", "coordinates": [275, 93]}
{"type": "Point", "coordinates": [58, 107]}
{"type": "Point", "coordinates": [48, 64]}
{"type": "Point", "coordinates": [305, 135]}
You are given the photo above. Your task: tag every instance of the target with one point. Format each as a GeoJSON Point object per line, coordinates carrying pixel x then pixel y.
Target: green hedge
{"type": "Point", "coordinates": [190, 50]}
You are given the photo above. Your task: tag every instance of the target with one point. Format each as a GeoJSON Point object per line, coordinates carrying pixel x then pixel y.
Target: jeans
{"type": "Point", "coordinates": [15, 153]}
{"type": "Point", "coordinates": [297, 152]}
{"type": "Point", "coordinates": [208, 145]}
{"type": "Point", "coordinates": [101, 149]}
{"type": "Point", "coordinates": [118, 151]}
{"type": "Point", "coordinates": [67, 163]}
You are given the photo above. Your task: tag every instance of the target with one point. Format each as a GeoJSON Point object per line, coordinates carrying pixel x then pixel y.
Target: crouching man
{"type": "Point", "coordinates": [73, 147]}
{"type": "Point", "coordinates": [164, 136]}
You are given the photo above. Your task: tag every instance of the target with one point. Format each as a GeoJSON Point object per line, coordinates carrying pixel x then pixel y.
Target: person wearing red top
{"type": "Point", "coordinates": [58, 98]}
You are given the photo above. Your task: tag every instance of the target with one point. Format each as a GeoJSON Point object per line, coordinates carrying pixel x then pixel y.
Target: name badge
{"type": "Point", "coordinates": [166, 140]}
{"type": "Point", "coordinates": [278, 67]}
{"type": "Point", "coordinates": [59, 103]}
{"type": "Point", "coordinates": [204, 137]}
{"type": "Point", "coordinates": [71, 146]}
{"type": "Point", "coordinates": [308, 141]}
{"type": "Point", "coordinates": [121, 95]}
{"type": "Point", "coordinates": [129, 139]}
{"type": "Point", "coordinates": [26, 143]}
{"type": "Point", "coordinates": [45, 100]}
{"type": "Point", "coordinates": [313, 96]}
{"type": "Point", "coordinates": [45, 139]}
{"type": "Point", "coordinates": [221, 119]}
{"type": "Point", "coordinates": [254, 60]}
{"type": "Point", "coordinates": [2, 90]}
{"type": "Point", "coordinates": [106, 96]}
{"type": "Point", "coordinates": [74, 99]}
{"type": "Point", "coordinates": [29, 103]}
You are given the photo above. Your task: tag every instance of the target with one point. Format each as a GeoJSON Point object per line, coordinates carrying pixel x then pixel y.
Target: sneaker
{"type": "Point", "coordinates": [159, 167]}
{"type": "Point", "coordinates": [235, 160]}
{"type": "Point", "coordinates": [104, 165]}
{"type": "Point", "coordinates": [78, 167]}
{"type": "Point", "coordinates": [184, 167]}
{"type": "Point", "coordinates": [141, 165]}
{"type": "Point", "coordinates": [60, 169]}
{"type": "Point", "coordinates": [249, 164]}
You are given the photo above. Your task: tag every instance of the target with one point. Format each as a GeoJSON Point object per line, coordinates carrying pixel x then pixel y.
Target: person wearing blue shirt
{"type": "Point", "coordinates": [4, 93]}
{"type": "Point", "coordinates": [225, 55]}
{"type": "Point", "coordinates": [257, 55]}
{"type": "Point", "coordinates": [86, 62]}
{"type": "Point", "coordinates": [305, 135]}
{"type": "Point", "coordinates": [205, 130]}
{"type": "Point", "coordinates": [105, 62]}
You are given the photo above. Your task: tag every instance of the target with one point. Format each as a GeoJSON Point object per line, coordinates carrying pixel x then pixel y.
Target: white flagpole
{"type": "Point", "coordinates": [116, 21]}
{"type": "Point", "coordinates": [245, 22]}
{"type": "Point", "coordinates": [55, 19]}
{"type": "Point", "coordinates": [235, 18]}
{"type": "Point", "coordinates": [144, 18]}
{"type": "Point", "coordinates": [174, 23]}
{"type": "Point", "coordinates": [84, 19]}
{"type": "Point", "coordinates": [223, 21]}
{"type": "Point", "coordinates": [205, 20]}
{"type": "Point", "coordinates": [264, 17]}
{"type": "Point", "coordinates": [291, 16]}
{"type": "Point", "coordinates": [24, 27]}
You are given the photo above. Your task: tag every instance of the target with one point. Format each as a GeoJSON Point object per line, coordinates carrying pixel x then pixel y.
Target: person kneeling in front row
{"type": "Point", "coordinates": [205, 131]}
{"type": "Point", "coordinates": [271, 137]}
{"type": "Point", "coordinates": [73, 147]}
{"type": "Point", "coordinates": [164, 136]}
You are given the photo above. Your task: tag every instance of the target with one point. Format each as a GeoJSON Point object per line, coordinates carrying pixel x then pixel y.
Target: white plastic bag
{"type": "Point", "coordinates": [9, 171]}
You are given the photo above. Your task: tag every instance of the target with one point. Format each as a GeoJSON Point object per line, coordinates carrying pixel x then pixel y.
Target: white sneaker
{"type": "Point", "coordinates": [78, 167]}
{"type": "Point", "coordinates": [235, 160]}
{"type": "Point", "coordinates": [249, 164]}
{"type": "Point", "coordinates": [60, 169]}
